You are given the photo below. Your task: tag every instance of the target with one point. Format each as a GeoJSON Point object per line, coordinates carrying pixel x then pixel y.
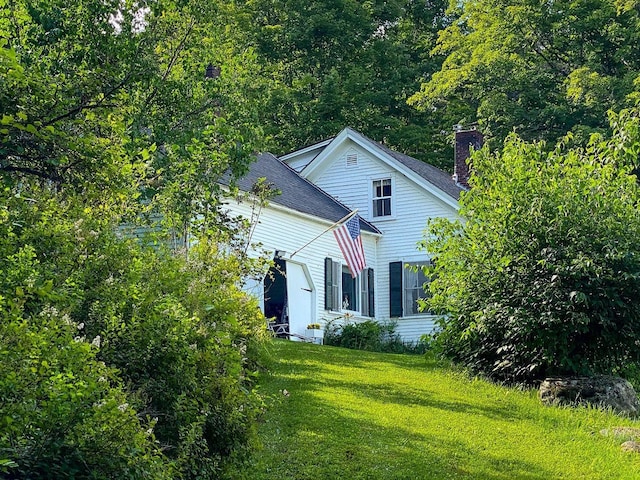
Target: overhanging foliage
{"type": "Point", "coordinates": [543, 275]}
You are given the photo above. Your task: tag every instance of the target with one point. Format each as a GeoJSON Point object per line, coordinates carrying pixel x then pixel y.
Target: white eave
{"type": "Point", "coordinates": [328, 223]}
{"type": "Point", "coordinates": [304, 150]}
{"type": "Point", "coordinates": [315, 165]}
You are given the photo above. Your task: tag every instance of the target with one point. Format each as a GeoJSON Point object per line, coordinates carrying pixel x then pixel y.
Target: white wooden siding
{"type": "Point", "coordinates": [349, 184]}
{"type": "Point", "coordinates": [412, 328]}
{"type": "Point", "coordinates": [412, 206]}
{"type": "Point", "coordinates": [281, 229]}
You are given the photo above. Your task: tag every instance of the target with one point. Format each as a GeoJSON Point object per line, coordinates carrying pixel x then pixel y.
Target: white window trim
{"type": "Point", "coordinates": [360, 283]}
{"type": "Point", "coordinates": [405, 314]}
{"type": "Point", "coordinates": [394, 194]}
{"type": "Point", "coordinates": [356, 291]}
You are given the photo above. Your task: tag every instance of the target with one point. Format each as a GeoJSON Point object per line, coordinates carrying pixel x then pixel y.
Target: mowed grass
{"type": "Point", "coordinates": [344, 414]}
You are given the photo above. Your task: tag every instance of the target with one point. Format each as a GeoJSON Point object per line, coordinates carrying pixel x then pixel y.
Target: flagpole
{"type": "Point", "coordinates": [343, 219]}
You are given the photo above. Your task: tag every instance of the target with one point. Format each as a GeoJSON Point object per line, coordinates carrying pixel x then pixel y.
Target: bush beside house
{"type": "Point", "coordinates": [543, 276]}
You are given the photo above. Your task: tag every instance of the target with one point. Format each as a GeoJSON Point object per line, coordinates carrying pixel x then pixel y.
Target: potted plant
{"type": "Point", "coordinates": [314, 331]}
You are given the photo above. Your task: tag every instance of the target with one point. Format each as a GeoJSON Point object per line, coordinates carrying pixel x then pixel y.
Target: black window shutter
{"type": "Point", "coordinates": [328, 284]}
{"type": "Point", "coordinates": [395, 289]}
{"type": "Point", "coordinates": [370, 296]}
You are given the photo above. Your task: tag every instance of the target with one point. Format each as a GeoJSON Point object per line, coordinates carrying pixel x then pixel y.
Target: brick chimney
{"type": "Point", "coordinates": [466, 137]}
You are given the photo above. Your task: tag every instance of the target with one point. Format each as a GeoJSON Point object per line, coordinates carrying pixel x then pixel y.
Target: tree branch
{"type": "Point", "coordinates": [31, 171]}
{"type": "Point", "coordinates": [86, 106]}
{"type": "Point", "coordinates": [203, 108]}
{"type": "Point", "coordinates": [172, 62]}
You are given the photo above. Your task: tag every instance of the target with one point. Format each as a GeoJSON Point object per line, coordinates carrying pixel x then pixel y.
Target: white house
{"type": "Point", "coordinates": [394, 194]}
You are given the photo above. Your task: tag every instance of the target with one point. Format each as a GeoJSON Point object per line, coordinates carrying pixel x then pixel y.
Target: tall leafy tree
{"type": "Point", "coordinates": [538, 68]}
{"type": "Point", "coordinates": [129, 362]}
{"type": "Point", "coordinates": [344, 63]}
{"type": "Point", "coordinates": [101, 94]}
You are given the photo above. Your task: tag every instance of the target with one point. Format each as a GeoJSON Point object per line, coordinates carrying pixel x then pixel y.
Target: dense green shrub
{"type": "Point", "coordinates": [113, 351]}
{"type": "Point", "coordinates": [63, 412]}
{"type": "Point", "coordinates": [543, 276]}
{"type": "Point", "coordinates": [369, 335]}
{"type": "Point", "coordinates": [137, 363]}
{"type": "Point", "coordinates": [365, 335]}
{"type": "Point", "coordinates": [184, 337]}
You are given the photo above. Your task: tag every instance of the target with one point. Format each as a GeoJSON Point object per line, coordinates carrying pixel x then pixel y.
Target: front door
{"type": "Point", "coordinates": [300, 298]}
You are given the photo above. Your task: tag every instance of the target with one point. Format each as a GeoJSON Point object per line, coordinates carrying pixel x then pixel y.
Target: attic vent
{"type": "Point", "coordinates": [352, 159]}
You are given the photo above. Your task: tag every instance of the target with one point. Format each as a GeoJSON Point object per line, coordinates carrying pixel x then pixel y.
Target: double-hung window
{"type": "Point", "coordinates": [407, 283]}
{"type": "Point", "coordinates": [349, 290]}
{"type": "Point", "coordinates": [342, 292]}
{"type": "Point", "coordinates": [381, 196]}
{"type": "Point", "coordinates": [415, 282]}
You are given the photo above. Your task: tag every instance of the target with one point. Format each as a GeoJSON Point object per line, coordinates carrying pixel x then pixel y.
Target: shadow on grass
{"type": "Point", "coordinates": [316, 368]}
{"type": "Point", "coordinates": [308, 435]}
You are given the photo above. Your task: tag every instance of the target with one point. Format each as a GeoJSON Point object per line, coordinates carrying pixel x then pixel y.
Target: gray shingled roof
{"type": "Point", "coordinates": [433, 175]}
{"type": "Point", "coordinates": [296, 192]}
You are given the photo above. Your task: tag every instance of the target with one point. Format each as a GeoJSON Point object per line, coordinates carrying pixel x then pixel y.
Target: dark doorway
{"type": "Point", "coordinates": [275, 297]}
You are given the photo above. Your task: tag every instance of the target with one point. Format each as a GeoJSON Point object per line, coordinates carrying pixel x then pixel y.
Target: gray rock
{"type": "Point", "coordinates": [628, 433]}
{"type": "Point", "coordinates": [631, 446]}
{"type": "Point", "coordinates": [602, 391]}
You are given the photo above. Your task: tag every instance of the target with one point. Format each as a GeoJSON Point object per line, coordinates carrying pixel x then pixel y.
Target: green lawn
{"type": "Point", "coordinates": [344, 414]}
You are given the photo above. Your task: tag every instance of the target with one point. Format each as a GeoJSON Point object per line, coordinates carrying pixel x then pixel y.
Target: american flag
{"type": "Point", "coordinates": [350, 243]}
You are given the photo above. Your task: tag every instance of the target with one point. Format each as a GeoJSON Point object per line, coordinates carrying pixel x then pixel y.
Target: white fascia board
{"type": "Point", "coordinates": [306, 216]}
{"type": "Point", "coordinates": [302, 151]}
{"type": "Point", "coordinates": [331, 146]}
{"type": "Point", "coordinates": [307, 172]}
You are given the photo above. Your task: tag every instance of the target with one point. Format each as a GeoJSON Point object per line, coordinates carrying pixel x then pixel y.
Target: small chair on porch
{"type": "Point", "coordinates": [280, 330]}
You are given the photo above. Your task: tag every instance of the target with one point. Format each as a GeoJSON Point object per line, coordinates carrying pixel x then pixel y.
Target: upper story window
{"type": "Point", "coordinates": [382, 197]}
